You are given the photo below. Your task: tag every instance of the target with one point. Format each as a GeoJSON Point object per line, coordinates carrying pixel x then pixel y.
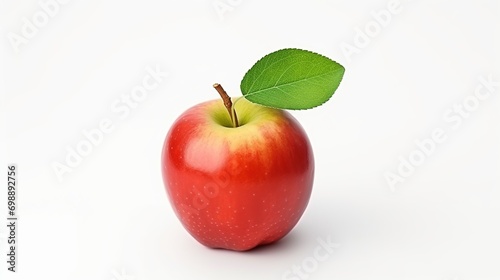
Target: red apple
{"type": "Point", "coordinates": [237, 187]}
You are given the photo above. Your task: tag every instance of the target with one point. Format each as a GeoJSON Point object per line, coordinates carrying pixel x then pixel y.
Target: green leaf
{"type": "Point", "coordinates": [292, 79]}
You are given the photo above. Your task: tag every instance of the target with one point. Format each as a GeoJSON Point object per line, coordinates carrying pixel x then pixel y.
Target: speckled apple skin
{"type": "Point", "coordinates": [237, 188]}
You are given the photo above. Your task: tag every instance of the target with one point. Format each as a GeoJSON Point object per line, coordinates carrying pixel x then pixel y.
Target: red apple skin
{"type": "Point", "coordinates": [237, 188]}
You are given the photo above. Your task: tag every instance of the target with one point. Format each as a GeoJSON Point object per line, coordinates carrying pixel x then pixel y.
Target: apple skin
{"type": "Point", "coordinates": [237, 188]}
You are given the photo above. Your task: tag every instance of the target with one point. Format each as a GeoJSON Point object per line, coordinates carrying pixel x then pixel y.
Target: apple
{"type": "Point", "coordinates": [237, 187]}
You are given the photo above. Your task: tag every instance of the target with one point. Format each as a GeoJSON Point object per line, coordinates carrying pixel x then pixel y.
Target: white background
{"type": "Point", "coordinates": [109, 218]}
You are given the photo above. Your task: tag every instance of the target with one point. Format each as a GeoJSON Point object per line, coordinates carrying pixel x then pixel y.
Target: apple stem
{"type": "Point", "coordinates": [228, 104]}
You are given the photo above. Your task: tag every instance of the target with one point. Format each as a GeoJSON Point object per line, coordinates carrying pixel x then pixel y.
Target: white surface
{"type": "Point", "coordinates": [110, 219]}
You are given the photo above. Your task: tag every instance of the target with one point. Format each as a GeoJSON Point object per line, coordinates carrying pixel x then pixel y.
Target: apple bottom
{"type": "Point", "coordinates": [237, 188]}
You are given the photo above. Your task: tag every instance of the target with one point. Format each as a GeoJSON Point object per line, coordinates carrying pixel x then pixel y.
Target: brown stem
{"type": "Point", "coordinates": [228, 104]}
